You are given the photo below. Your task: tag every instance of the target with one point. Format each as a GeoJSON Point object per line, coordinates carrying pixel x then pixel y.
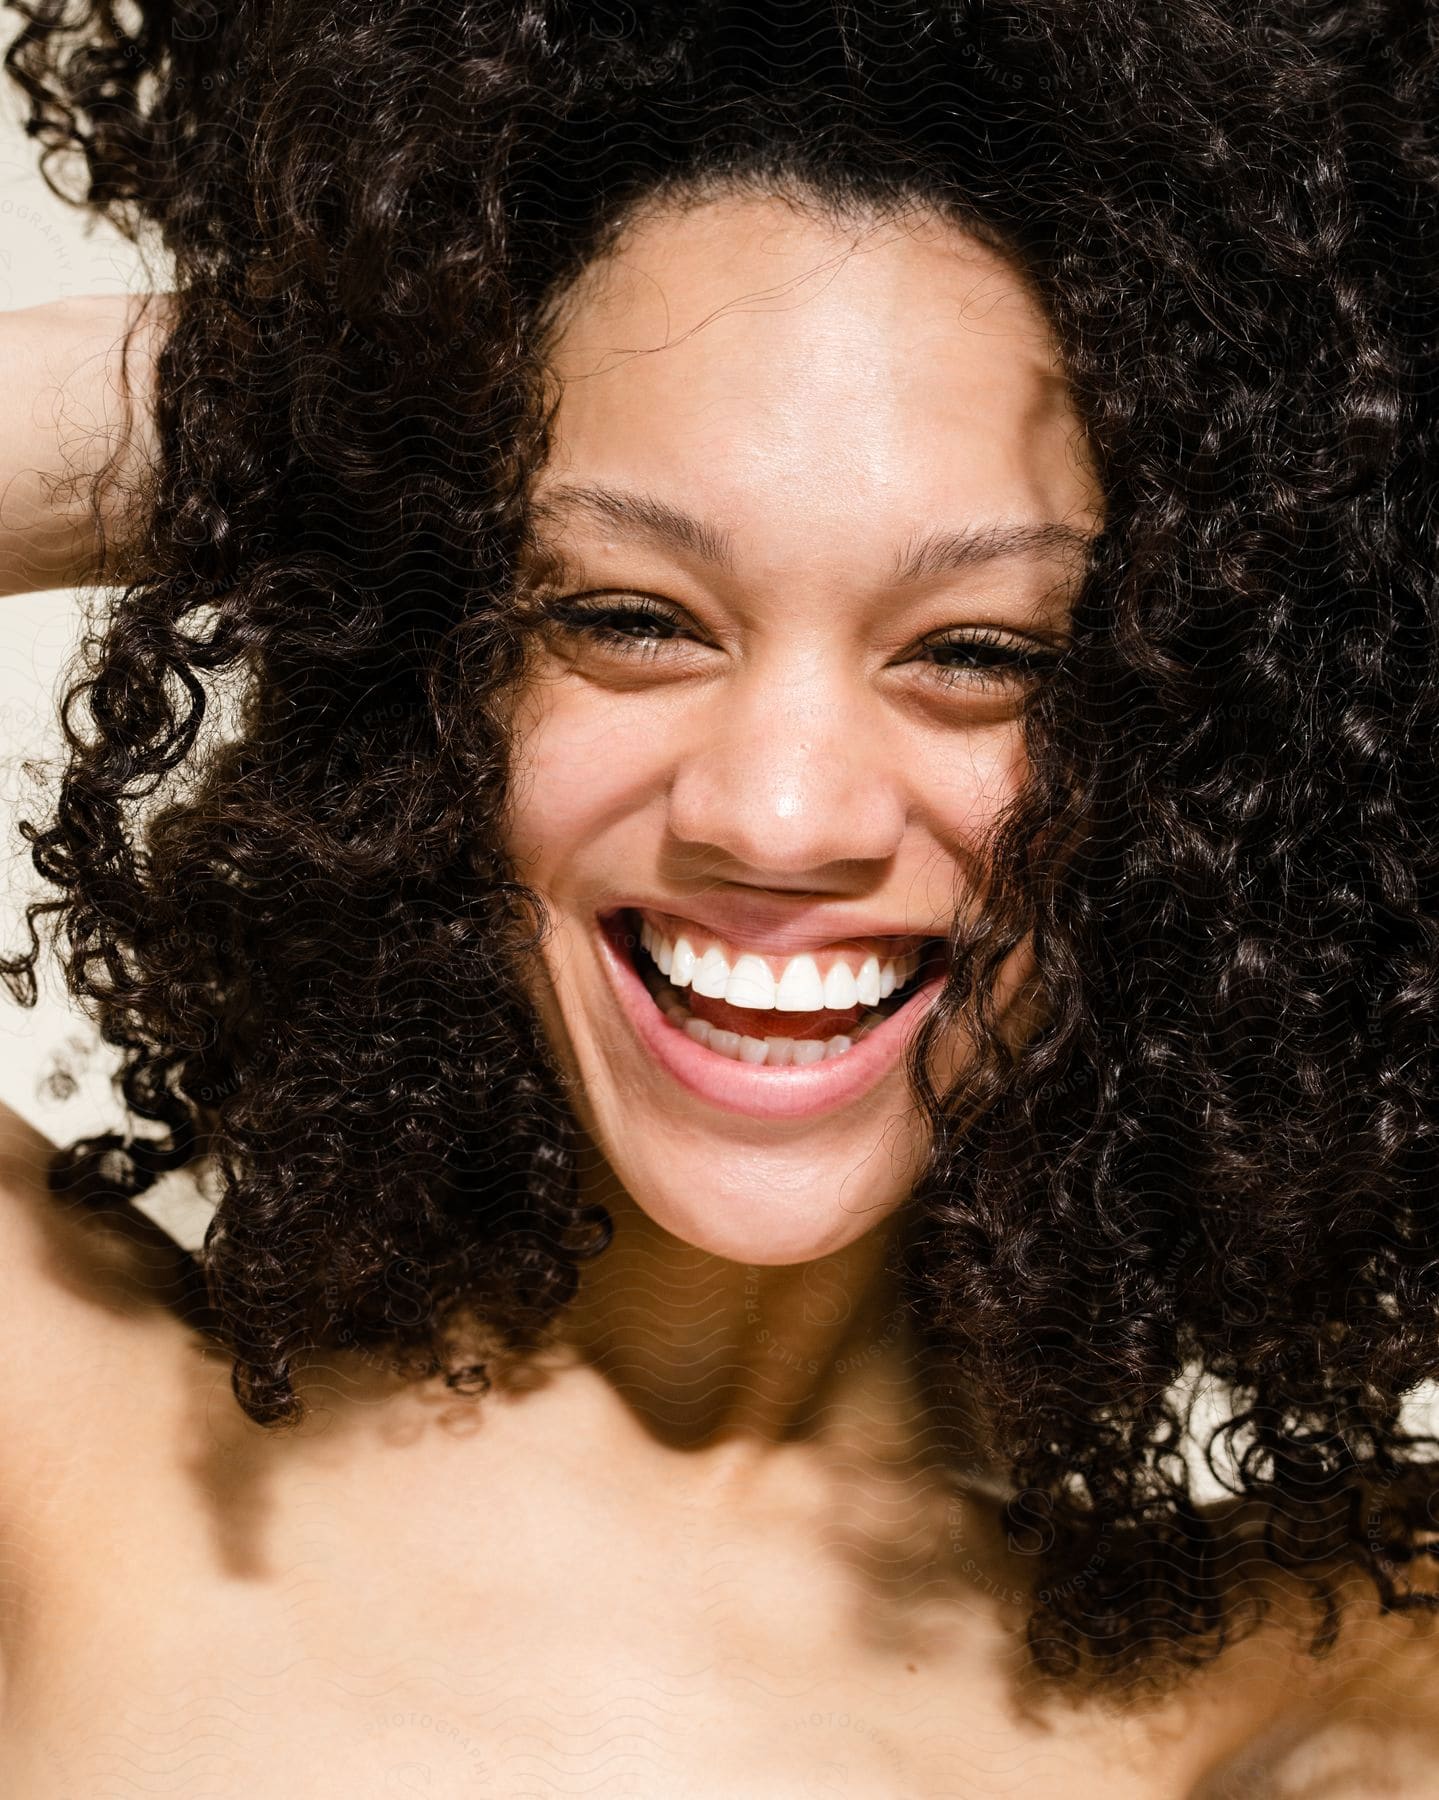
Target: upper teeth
{"type": "Point", "coordinates": [741, 978]}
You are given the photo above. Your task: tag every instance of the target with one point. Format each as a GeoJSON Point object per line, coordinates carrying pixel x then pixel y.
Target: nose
{"type": "Point", "coordinates": [786, 775]}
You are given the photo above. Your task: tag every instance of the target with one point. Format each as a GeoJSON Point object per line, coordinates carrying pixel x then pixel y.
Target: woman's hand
{"type": "Point", "coordinates": [76, 408]}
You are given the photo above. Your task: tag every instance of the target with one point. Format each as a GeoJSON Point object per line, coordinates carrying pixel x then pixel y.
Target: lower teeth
{"type": "Point", "coordinates": [775, 1053]}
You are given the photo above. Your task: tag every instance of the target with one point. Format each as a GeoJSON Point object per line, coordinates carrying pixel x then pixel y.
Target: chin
{"type": "Point", "coordinates": [769, 1209]}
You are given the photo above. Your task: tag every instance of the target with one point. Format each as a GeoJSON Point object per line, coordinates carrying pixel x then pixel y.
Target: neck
{"type": "Point", "coordinates": [732, 1363]}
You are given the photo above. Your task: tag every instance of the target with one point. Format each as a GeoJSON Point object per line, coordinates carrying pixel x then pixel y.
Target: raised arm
{"type": "Point", "coordinates": [76, 406]}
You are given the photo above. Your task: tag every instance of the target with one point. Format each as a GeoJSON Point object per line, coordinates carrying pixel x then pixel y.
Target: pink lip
{"type": "Point", "coordinates": [760, 1092]}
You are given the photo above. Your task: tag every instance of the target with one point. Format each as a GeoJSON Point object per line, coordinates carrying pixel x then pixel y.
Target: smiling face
{"type": "Point", "coordinates": [820, 499]}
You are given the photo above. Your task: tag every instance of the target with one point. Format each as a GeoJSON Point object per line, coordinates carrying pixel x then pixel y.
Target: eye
{"type": "Point", "coordinates": [634, 627]}
{"type": "Point", "coordinates": [638, 627]}
{"type": "Point", "coordinates": [987, 658]}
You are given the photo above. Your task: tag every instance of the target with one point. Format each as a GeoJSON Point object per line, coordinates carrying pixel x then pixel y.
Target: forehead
{"type": "Point", "coordinates": [802, 378]}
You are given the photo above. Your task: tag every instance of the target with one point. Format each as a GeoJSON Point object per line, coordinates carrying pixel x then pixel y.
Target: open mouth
{"type": "Point", "coordinates": [789, 1034]}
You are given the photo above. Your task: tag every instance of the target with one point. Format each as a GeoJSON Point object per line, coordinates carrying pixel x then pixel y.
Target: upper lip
{"type": "Point", "coordinates": [775, 929]}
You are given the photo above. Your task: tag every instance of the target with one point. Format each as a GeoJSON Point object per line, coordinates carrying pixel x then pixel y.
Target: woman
{"type": "Point", "coordinates": [817, 877]}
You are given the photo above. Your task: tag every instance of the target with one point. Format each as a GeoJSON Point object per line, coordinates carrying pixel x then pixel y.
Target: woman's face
{"type": "Point", "coordinates": [820, 498]}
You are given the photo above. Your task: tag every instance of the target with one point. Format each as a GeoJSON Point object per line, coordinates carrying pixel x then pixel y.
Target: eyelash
{"type": "Point", "coordinates": [587, 619]}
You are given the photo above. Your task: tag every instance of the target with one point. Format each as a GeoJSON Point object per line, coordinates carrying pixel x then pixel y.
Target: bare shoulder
{"type": "Point", "coordinates": [1368, 1729]}
{"type": "Point", "coordinates": [80, 1290]}
{"type": "Point", "coordinates": [1353, 1723]}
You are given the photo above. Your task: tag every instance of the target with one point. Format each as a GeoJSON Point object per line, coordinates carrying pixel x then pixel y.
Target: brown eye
{"type": "Point", "coordinates": [631, 627]}
{"type": "Point", "coordinates": [986, 658]}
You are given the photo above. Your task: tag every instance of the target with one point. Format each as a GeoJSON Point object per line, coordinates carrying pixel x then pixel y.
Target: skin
{"type": "Point", "coordinates": [825, 394]}
{"type": "Point", "coordinates": [708, 1558]}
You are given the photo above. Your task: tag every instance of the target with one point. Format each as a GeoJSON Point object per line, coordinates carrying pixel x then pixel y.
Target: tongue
{"type": "Point", "coordinates": [751, 1021]}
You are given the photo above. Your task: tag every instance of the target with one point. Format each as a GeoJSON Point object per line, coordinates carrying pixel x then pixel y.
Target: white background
{"type": "Point", "coordinates": [51, 251]}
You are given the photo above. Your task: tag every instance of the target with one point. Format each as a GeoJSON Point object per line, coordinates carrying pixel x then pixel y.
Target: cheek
{"type": "Point", "coordinates": [970, 777]}
{"type": "Point", "coordinates": [578, 772]}
{"type": "Point", "coordinates": [590, 778]}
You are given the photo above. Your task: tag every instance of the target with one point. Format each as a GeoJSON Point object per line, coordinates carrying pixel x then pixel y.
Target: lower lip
{"type": "Point", "coordinates": [754, 1089]}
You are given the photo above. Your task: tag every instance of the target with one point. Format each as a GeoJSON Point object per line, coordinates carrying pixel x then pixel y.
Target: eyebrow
{"type": "Point", "coordinates": [647, 517]}
{"type": "Point", "coordinates": [937, 553]}
{"type": "Point", "coordinates": [945, 552]}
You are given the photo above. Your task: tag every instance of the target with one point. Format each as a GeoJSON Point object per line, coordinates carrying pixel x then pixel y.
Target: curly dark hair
{"type": "Point", "coordinates": [301, 930]}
